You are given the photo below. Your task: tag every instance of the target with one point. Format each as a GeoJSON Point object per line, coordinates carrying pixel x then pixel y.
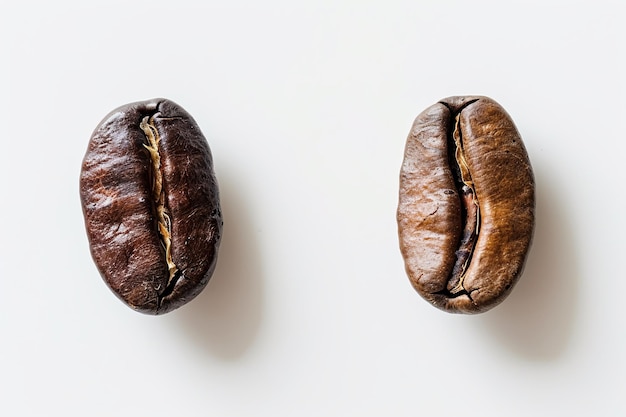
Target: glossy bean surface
{"type": "Point", "coordinates": [150, 201]}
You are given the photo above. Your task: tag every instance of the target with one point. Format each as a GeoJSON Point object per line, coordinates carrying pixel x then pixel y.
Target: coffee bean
{"type": "Point", "coordinates": [467, 203]}
{"type": "Point", "coordinates": [151, 205]}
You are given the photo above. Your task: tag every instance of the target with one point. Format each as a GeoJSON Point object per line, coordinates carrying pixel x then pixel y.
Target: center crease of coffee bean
{"type": "Point", "coordinates": [164, 223]}
{"type": "Point", "coordinates": [470, 211]}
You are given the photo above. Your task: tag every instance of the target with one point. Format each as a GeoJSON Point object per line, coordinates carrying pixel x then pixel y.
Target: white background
{"type": "Point", "coordinates": [306, 106]}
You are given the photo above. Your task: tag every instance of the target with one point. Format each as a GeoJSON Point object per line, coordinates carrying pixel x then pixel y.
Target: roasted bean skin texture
{"type": "Point", "coordinates": [434, 220]}
{"type": "Point", "coordinates": [151, 205]}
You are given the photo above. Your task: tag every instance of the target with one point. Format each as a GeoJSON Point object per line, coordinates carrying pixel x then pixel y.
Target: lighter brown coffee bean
{"type": "Point", "coordinates": [467, 204]}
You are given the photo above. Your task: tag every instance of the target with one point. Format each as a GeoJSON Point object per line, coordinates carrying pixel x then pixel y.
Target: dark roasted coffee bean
{"type": "Point", "coordinates": [467, 204]}
{"type": "Point", "coordinates": [151, 205]}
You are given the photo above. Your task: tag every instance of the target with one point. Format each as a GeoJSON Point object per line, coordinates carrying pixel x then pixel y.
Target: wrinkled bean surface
{"type": "Point", "coordinates": [466, 207]}
{"type": "Point", "coordinates": [151, 205]}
